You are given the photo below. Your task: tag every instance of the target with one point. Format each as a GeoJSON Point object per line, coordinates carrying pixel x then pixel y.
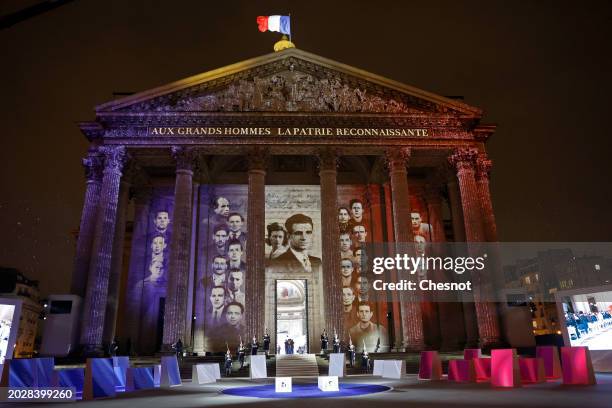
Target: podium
{"type": "Point", "coordinates": [258, 368]}
{"type": "Point", "coordinates": [337, 365]}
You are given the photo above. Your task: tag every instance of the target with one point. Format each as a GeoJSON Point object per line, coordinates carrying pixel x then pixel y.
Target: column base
{"type": "Point", "coordinates": [413, 347]}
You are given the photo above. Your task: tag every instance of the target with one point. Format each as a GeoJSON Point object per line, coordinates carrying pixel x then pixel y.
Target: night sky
{"type": "Point", "coordinates": [540, 70]}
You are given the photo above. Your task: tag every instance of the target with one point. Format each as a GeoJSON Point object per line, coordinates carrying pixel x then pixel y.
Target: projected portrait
{"type": "Point", "coordinates": [366, 331]}
{"type": "Point", "coordinates": [298, 257]}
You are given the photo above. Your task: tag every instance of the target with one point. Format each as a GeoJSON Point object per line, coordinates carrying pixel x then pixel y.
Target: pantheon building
{"type": "Point", "coordinates": [254, 191]}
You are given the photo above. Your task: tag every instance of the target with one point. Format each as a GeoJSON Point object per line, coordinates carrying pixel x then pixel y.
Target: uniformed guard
{"type": "Point", "coordinates": [324, 341]}
{"type": "Point", "coordinates": [365, 359]}
{"type": "Point", "coordinates": [351, 350]}
{"type": "Point", "coordinates": [241, 353]}
{"type": "Point", "coordinates": [266, 342]}
{"type": "Point", "coordinates": [228, 362]}
{"type": "Point", "coordinates": [254, 346]}
{"type": "Point", "coordinates": [336, 342]}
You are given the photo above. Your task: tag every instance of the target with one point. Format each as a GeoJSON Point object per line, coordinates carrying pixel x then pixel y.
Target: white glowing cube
{"type": "Point", "coordinates": [282, 384]}
{"type": "Point", "coordinates": [328, 383]}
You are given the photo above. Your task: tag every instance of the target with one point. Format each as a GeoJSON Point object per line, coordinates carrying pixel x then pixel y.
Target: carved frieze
{"type": "Point", "coordinates": [290, 85]}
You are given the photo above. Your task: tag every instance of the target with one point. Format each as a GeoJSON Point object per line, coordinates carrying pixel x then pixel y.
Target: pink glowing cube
{"type": "Point", "coordinates": [550, 355]}
{"type": "Point", "coordinates": [461, 371]}
{"type": "Point", "coordinates": [505, 370]}
{"type": "Point", "coordinates": [577, 366]}
{"type": "Point", "coordinates": [532, 370]}
{"type": "Point", "coordinates": [482, 365]}
{"type": "Point", "coordinates": [431, 366]}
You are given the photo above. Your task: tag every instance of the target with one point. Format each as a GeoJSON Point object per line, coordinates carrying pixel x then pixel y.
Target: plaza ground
{"type": "Point", "coordinates": [408, 392]}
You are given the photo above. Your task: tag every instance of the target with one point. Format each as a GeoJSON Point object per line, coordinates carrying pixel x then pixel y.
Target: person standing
{"type": "Point", "coordinates": [324, 341]}
{"type": "Point", "coordinates": [241, 353]}
{"type": "Point", "coordinates": [228, 363]}
{"type": "Point", "coordinates": [266, 342]}
{"type": "Point", "coordinates": [254, 346]}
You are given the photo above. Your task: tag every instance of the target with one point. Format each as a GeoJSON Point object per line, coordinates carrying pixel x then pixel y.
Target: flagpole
{"type": "Point", "coordinates": [290, 28]}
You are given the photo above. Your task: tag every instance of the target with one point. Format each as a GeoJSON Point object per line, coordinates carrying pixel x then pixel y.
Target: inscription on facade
{"type": "Point", "coordinates": [286, 131]}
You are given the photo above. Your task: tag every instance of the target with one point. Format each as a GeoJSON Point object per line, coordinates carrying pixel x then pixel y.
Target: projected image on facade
{"type": "Point", "coordinates": [222, 269]}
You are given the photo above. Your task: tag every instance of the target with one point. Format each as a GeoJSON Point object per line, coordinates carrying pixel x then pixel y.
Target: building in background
{"type": "Point", "coordinates": [16, 284]}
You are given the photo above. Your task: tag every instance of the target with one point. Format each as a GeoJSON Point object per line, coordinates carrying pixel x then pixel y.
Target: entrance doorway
{"type": "Point", "coordinates": [291, 315]}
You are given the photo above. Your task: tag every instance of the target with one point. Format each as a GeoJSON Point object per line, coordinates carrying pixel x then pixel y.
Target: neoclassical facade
{"type": "Point", "coordinates": [209, 167]}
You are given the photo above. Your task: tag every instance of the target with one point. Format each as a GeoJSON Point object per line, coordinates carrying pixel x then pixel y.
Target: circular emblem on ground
{"type": "Point", "coordinates": [305, 391]}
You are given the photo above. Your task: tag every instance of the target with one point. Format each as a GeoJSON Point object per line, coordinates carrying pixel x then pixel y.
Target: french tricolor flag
{"type": "Point", "coordinates": [279, 24]}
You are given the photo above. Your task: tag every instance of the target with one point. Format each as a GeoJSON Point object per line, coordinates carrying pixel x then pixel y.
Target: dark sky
{"type": "Point", "coordinates": [540, 70]}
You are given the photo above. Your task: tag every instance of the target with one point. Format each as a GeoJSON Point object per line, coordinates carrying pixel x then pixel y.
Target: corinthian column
{"type": "Point", "coordinates": [93, 164]}
{"type": "Point", "coordinates": [175, 311]}
{"type": "Point", "coordinates": [483, 167]}
{"type": "Point", "coordinates": [328, 163]}
{"type": "Point", "coordinates": [94, 308]}
{"type": "Point", "coordinates": [255, 252]}
{"type": "Point", "coordinates": [110, 320]}
{"type": "Point", "coordinates": [412, 320]}
{"type": "Point", "coordinates": [464, 160]}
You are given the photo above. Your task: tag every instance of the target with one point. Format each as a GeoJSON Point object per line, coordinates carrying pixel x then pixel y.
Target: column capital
{"type": "Point", "coordinates": [397, 158]}
{"type": "Point", "coordinates": [94, 165]}
{"type": "Point", "coordinates": [258, 158]}
{"type": "Point", "coordinates": [483, 166]}
{"type": "Point", "coordinates": [185, 157]}
{"type": "Point", "coordinates": [115, 157]}
{"type": "Point", "coordinates": [328, 159]}
{"type": "Point", "coordinates": [463, 158]}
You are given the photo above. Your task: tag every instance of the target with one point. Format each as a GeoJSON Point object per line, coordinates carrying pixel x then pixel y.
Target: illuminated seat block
{"type": "Point", "coordinates": [532, 370]}
{"type": "Point", "coordinates": [505, 371]}
{"type": "Point", "coordinates": [461, 371]}
{"type": "Point", "coordinates": [99, 379]}
{"type": "Point", "coordinates": [577, 366]}
{"type": "Point", "coordinates": [170, 375]}
{"type": "Point", "coordinates": [482, 366]}
{"type": "Point", "coordinates": [205, 373]}
{"type": "Point", "coordinates": [378, 367]}
{"type": "Point", "coordinates": [430, 367]}
{"type": "Point", "coordinates": [552, 365]}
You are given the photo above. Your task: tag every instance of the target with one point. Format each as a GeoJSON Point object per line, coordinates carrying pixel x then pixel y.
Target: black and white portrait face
{"type": "Point", "coordinates": [301, 237]}
{"type": "Point", "coordinates": [233, 315]}
{"type": "Point", "coordinates": [217, 297]}
{"type": "Point", "coordinates": [235, 222]}
{"type": "Point", "coordinates": [364, 313]}
{"type": "Point", "coordinates": [343, 216]}
{"type": "Point", "coordinates": [345, 242]}
{"type": "Point", "coordinates": [158, 245]}
{"type": "Point", "coordinates": [234, 252]}
{"type": "Point", "coordinates": [218, 279]}
{"type": "Point", "coordinates": [357, 211]}
{"type": "Point", "coordinates": [346, 267]}
{"type": "Point", "coordinates": [219, 265]}
{"type": "Point", "coordinates": [220, 238]}
{"type": "Point", "coordinates": [347, 296]}
{"type": "Point", "coordinates": [362, 285]}
{"type": "Point", "coordinates": [156, 270]}
{"type": "Point", "coordinates": [276, 239]}
{"type": "Point", "coordinates": [360, 233]}
{"type": "Point", "coordinates": [236, 280]}
{"type": "Point", "coordinates": [222, 206]}
{"type": "Point", "coordinates": [161, 221]}
{"type": "Point", "coordinates": [415, 219]}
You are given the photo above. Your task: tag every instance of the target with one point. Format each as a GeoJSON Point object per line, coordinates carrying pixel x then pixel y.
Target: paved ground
{"type": "Point", "coordinates": [406, 393]}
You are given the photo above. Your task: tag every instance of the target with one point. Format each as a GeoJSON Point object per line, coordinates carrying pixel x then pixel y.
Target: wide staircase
{"type": "Point", "coordinates": [296, 365]}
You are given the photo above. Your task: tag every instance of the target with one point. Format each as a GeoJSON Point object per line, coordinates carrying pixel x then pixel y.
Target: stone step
{"type": "Point", "coordinates": [297, 365]}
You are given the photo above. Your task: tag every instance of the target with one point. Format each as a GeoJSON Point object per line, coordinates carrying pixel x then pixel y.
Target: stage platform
{"type": "Point", "coordinates": [408, 392]}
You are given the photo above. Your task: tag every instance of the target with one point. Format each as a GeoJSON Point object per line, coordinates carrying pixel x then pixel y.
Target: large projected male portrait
{"type": "Point", "coordinates": [419, 227]}
{"type": "Point", "coordinates": [297, 258]}
{"type": "Point", "coordinates": [215, 314]}
{"type": "Point", "coordinates": [366, 332]}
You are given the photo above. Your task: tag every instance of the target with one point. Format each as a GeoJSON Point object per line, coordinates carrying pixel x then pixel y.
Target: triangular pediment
{"type": "Point", "coordinates": [288, 81]}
